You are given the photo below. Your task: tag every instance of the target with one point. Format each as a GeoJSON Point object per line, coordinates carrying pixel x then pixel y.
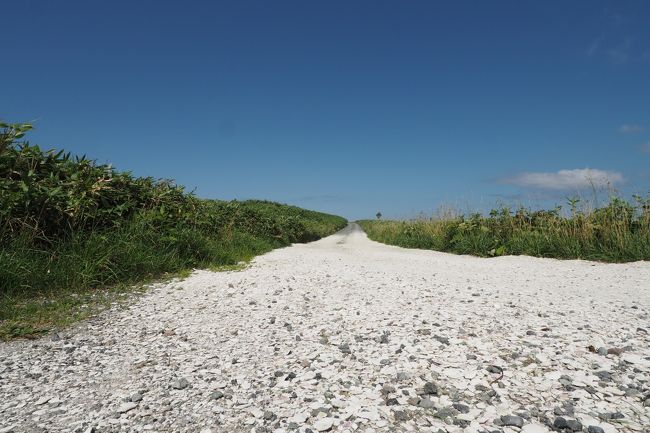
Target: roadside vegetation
{"type": "Point", "coordinates": [70, 226]}
{"type": "Point", "coordinates": [617, 232]}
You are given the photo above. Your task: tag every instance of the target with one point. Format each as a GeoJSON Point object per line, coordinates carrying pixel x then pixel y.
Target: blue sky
{"type": "Point", "coordinates": [343, 106]}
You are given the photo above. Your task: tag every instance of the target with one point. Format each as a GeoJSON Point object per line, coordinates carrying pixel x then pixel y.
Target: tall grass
{"type": "Point", "coordinates": [69, 225]}
{"type": "Point", "coordinates": [617, 232]}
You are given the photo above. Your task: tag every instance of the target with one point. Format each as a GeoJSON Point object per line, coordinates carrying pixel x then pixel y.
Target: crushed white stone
{"type": "Point", "coordinates": [358, 329]}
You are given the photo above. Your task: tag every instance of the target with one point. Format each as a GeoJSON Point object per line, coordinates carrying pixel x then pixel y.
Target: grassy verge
{"type": "Point", "coordinates": [76, 235]}
{"type": "Point", "coordinates": [618, 232]}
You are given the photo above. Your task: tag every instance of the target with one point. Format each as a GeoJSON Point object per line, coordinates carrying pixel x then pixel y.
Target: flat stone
{"type": "Point", "coordinates": [42, 400]}
{"type": "Point", "coordinates": [567, 424]}
{"type": "Point", "coordinates": [256, 412]}
{"type": "Point", "coordinates": [126, 407]}
{"type": "Point", "coordinates": [534, 428]}
{"type": "Point", "coordinates": [323, 424]}
{"type": "Point", "coordinates": [512, 421]}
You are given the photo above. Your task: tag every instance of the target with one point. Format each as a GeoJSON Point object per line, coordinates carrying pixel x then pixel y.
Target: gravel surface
{"type": "Point", "coordinates": [345, 334]}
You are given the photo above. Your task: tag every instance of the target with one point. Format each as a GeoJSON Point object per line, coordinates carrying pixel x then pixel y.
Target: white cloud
{"type": "Point", "coordinates": [578, 178]}
{"type": "Point", "coordinates": [631, 129]}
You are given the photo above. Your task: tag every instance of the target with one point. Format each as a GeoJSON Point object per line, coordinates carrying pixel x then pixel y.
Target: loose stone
{"type": "Point", "coordinates": [216, 395]}
{"type": "Point", "coordinates": [126, 407]}
{"type": "Point", "coordinates": [512, 420]}
{"type": "Point", "coordinates": [181, 383]}
{"type": "Point", "coordinates": [323, 424]}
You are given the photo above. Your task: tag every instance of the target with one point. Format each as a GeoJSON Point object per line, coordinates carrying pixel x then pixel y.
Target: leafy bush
{"type": "Point", "coordinates": [69, 223]}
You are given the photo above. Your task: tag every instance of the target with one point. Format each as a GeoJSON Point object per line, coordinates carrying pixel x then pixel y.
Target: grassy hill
{"type": "Point", "coordinates": [70, 226]}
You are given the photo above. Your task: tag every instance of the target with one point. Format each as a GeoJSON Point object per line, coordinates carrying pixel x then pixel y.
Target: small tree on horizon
{"type": "Point", "coordinates": [378, 215]}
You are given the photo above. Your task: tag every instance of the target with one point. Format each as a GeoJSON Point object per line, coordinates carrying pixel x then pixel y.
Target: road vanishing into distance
{"type": "Point", "coordinates": [346, 334]}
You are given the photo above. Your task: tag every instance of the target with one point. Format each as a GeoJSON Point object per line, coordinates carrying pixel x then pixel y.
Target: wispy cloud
{"type": "Point", "coordinates": [594, 47]}
{"type": "Point", "coordinates": [645, 148]}
{"type": "Point", "coordinates": [579, 178]}
{"type": "Point", "coordinates": [621, 52]}
{"type": "Point", "coordinates": [631, 129]}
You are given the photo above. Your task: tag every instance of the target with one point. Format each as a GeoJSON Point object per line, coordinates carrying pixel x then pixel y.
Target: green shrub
{"type": "Point", "coordinates": [618, 232]}
{"type": "Point", "coordinates": [69, 223]}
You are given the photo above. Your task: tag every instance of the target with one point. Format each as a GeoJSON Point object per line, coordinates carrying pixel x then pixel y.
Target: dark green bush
{"type": "Point", "coordinates": [71, 223]}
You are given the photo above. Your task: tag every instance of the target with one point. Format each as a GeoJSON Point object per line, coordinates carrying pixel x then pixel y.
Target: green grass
{"type": "Point", "coordinates": [76, 235]}
{"type": "Point", "coordinates": [618, 232]}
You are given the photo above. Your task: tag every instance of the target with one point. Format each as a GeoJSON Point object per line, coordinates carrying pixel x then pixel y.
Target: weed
{"type": "Point", "coordinates": [618, 232]}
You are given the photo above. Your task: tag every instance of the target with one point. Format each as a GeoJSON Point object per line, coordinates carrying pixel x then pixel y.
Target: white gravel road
{"type": "Point", "coordinates": [345, 334]}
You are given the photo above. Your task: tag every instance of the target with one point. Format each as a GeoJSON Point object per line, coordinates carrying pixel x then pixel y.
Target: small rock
{"type": "Point", "coordinates": [257, 413]}
{"type": "Point", "coordinates": [446, 412]}
{"type": "Point", "coordinates": [494, 369]}
{"type": "Point", "coordinates": [43, 400]}
{"type": "Point", "coordinates": [462, 408]}
{"type": "Point", "coordinates": [323, 424]}
{"type": "Point", "coordinates": [181, 383]}
{"type": "Point", "coordinates": [426, 404]}
{"type": "Point", "coordinates": [126, 407]}
{"type": "Point", "coordinates": [512, 421]}
{"type": "Point", "coordinates": [612, 415]}
{"type": "Point", "coordinates": [534, 428]}
{"type": "Point", "coordinates": [216, 395]}
{"type": "Point", "coordinates": [561, 423]}
{"type": "Point", "coordinates": [401, 376]}
{"type": "Point", "coordinates": [136, 397]}
{"type": "Point", "coordinates": [430, 388]}
{"type": "Point", "coordinates": [595, 429]}
{"type": "Point", "coordinates": [400, 415]}
{"type": "Point", "coordinates": [345, 348]}
{"type": "Point", "coordinates": [443, 340]}
{"type": "Point", "coordinates": [413, 401]}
